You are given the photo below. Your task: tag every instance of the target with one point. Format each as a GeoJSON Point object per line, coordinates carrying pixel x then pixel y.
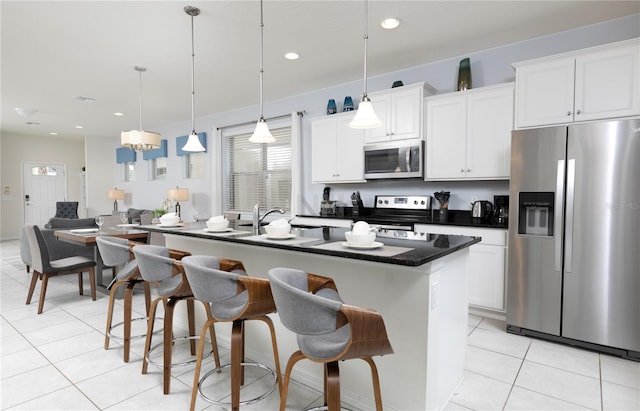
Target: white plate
{"type": "Point", "coordinates": [129, 225]}
{"type": "Point", "coordinates": [224, 230]}
{"type": "Point", "coordinates": [371, 246]}
{"type": "Point", "coordinates": [279, 236]}
{"type": "Point", "coordinates": [170, 225]}
{"type": "Point", "coordinates": [84, 230]}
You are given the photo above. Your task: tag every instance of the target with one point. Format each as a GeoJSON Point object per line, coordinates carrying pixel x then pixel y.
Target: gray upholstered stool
{"type": "Point", "coordinates": [158, 267]}
{"type": "Point", "coordinates": [328, 330]}
{"type": "Point", "coordinates": [116, 252]}
{"type": "Point", "coordinates": [235, 297]}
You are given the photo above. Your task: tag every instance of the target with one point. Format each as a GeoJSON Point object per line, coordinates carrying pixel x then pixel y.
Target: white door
{"type": "Point", "coordinates": [42, 185]}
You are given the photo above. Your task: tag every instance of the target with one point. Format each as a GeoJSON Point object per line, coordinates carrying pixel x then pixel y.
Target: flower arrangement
{"type": "Point", "coordinates": [443, 198]}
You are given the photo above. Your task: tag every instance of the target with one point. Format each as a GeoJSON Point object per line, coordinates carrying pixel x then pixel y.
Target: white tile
{"type": "Point", "coordinates": [493, 324]}
{"type": "Point", "coordinates": [69, 398]}
{"type": "Point", "coordinates": [492, 364]}
{"type": "Point", "coordinates": [31, 384]}
{"type": "Point", "coordinates": [521, 399]}
{"type": "Point", "coordinates": [619, 398]}
{"type": "Point", "coordinates": [72, 346]}
{"type": "Point", "coordinates": [93, 363]}
{"type": "Point", "coordinates": [12, 343]}
{"type": "Point", "coordinates": [474, 320]}
{"type": "Point", "coordinates": [22, 361]}
{"type": "Point", "coordinates": [620, 371]}
{"type": "Point", "coordinates": [565, 357]}
{"type": "Point", "coordinates": [560, 384]}
{"type": "Point", "coordinates": [478, 392]}
{"type": "Point", "coordinates": [501, 342]}
{"type": "Point", "coordinates": [57, 332]}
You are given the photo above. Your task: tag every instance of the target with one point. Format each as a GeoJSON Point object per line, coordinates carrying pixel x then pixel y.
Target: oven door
{"type": "Point", "coordinates": [396, 159]}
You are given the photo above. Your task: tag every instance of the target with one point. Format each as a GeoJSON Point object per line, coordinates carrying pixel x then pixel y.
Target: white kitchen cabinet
{"type": "Point", "coordinates": [469, 134]}
{"type": "Point", "coordinates": [336, 150]}
{"type": "Point", "coordinates": [591, 84]}
{"type": "Point", "coordinates": [487, 263]}
{"type": "Point", "coordinates": [401, 112]}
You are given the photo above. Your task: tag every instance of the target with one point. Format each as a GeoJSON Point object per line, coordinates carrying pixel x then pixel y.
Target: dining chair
{"type": "Point", "coordinates": [160, 266]}
{"type": "Point", "coordinates": [236, 298]}
{"type": "Point", "coordinates": [116, 252]}
{"type": "Point", "coordinates": [44, 268]}
{"type": "Point", "coordinates": [328, 331]}
{"type": "Point", "coordinates": [66, 209]}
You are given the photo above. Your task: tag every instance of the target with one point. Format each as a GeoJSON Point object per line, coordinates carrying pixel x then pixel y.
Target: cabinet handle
{"type": "Point", "coordinates": [468, 170]}
{"type": "Point", "coordinates": [462, 170]}
{"type": "Point", "coordinates": [568, 113]}
{"type": "Point", "coordinates": [578, 112]}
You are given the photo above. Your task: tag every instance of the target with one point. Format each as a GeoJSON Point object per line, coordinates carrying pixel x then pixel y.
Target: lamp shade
{"type": "Point", "coordinates": [140, 140]}
{"type": "Point", "coordinates": [365, 116]}
{"type": "Point", "coordinates": [116, 194]}
{"type": "Point", "coordinates": [178, 194]}
{"type": "Point", "coordinates": [262, 133]}
{"type": "Point", "coordinates": [193, 144]}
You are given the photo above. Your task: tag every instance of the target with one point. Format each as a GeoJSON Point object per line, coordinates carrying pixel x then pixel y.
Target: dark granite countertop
{"type": "Point", "coordinates": [416, 248]}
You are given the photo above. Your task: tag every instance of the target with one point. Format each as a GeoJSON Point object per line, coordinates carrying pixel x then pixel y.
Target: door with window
{"type": "Point", "coordinates": [42, 185]}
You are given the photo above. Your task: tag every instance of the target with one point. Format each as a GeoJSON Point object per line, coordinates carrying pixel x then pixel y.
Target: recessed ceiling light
{"type": "Point", "coordinates": [84, 99]}
{"type": "Point", "coordinates": [32, 123]}
{"type": "Point", "coordinates": [118, 114]}
{"type": "Point", "coordinates": [292, 55]}
{"type": "Point", "coordinates": [79, 127]}
{"type": "Point", "coordinates": [53, 133]}
{"type": "Point", "coordinates": [390, 23]}
{"type": "Point", "coordinates": [25, 112]}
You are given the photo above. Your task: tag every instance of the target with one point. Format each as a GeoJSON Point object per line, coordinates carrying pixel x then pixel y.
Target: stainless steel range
{"type": "Point", "coordinates": [399, 212]}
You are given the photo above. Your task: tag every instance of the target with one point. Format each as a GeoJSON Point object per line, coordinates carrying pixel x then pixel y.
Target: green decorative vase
{"type": "Point", "coordinates": [464, 75]}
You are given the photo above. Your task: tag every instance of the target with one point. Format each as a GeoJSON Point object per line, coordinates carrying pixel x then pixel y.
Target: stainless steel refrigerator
{"type": "Point", "coordinates": [574, 235]}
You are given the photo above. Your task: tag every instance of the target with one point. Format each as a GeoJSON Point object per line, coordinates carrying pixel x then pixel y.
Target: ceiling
{"type": "Point", "coordinates": [55, 53]}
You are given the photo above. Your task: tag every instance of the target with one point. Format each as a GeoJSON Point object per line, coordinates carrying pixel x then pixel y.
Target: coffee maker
{"type": "Point", "coordinates": [327, 207]}
{"type": "Point", "coordinates": [501, 210]}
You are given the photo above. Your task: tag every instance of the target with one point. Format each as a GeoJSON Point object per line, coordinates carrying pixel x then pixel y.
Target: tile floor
{"type": "Point", "coordinates": [56, 361]}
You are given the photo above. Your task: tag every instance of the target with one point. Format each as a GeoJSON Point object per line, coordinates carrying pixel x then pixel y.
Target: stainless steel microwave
{"type": "Point", "coordinates": [394, 159]}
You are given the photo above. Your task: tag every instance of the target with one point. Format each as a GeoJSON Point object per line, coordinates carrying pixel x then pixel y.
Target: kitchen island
{"type": "Point", "coordinates": [417, 281]}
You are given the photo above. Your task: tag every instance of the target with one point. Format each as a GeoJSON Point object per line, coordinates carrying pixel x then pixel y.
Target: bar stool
{"type": "Point", "coordinates": [327, 330]}
{"type": "Point", "coordinates": [116, 252]}
{"type": "Point", "coordinates": [235, 297]}
{"type": "Point", "coordinates": [158, 265]}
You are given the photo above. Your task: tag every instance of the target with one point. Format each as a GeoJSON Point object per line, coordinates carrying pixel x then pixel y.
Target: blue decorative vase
{"type": "Point", "coordinates": [348, 104]}
{"type": "Point", "coordinates": [464, 75]}
{"type": "Point", "coordinates": [331, 107]}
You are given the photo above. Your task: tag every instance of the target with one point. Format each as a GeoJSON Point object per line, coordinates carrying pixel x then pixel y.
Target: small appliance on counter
{"type": "Point", "coordinates": [327, 207]}
{"type": "Point", "coordinates": [501, 210]}
{"type": "Point", "coordinates": [356, 201]}
{"type": "Point", "coordinates": [481, 211]}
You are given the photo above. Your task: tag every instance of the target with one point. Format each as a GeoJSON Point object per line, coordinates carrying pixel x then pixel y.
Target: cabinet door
{"type": "Point", "coordinates": [349, 153]}
{"type": "Point", "coordinates": [544, 93]}
{"type": "Point", "coordinates": [406, 114]}
{"type": "Point", "coordinates": [323, 150]}
{"type": "Point", "coordinates": [607, 84]}
{"type": "Point", "coordinates": [489, 125]}
{"type": "Point", "coordinates": [381, 103]}
{"type": "Point", "coordinates": [486, 276]}
{"type": "Point", "coordinates": [446, 138]}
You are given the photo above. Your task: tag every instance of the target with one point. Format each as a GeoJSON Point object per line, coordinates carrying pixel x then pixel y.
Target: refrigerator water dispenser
{"type": "Point", "coordinates": [536, 213]}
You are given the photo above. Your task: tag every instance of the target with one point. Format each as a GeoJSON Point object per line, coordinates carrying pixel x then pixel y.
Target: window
{"type": "Point", "coordinates": [256, 172]}
{"type": "Point", "coordinates": [129, 171]}
{"type": "Point", "coordinates": [158, 168]}
{"type": "Point", "coordinates": [193, 165]}
{"type": "Point", "coordinates": [44, 171]}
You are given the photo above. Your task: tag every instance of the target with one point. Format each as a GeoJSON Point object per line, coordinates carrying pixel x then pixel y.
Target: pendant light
{"type": "Point", "coordinates": [140, 140]}
{"type": "Point", "coordinates": [193, 143]}
{"type": "Point", "coordinates": [365, 116]}
{"type": "Point", "coordinates": [261, 133]}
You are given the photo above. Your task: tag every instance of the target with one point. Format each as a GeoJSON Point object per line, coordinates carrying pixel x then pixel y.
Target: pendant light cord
{"type": "Point", "coordinates": [140, 70]}
{"type": "Point", "coordinates": [193, 80]}
{"type": "Point", "coordinates": [261, 58]}
{"type": "Point", "coordinates": [366, 37]}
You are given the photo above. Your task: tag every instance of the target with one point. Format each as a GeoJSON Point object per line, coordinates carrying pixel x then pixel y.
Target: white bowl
{"type": "Point", "coordinates": [277, 229]}
{"type": "Point", "coordinates": [217, 225]}
{"type": "Point", "coordinates": [174, 220]}
{"type": "Point", "coordinates": [218, 218]}
{"type": "Point", "coordinates": [360, 239]}
{"type": "Point", "coordinates": [361, 228]}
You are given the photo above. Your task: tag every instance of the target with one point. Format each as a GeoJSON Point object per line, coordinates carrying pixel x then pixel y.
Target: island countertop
{"type": "Point", "coordinates": [398, 247]}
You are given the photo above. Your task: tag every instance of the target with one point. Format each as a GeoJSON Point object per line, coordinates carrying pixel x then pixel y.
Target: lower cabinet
{"type": "Point", "coordinates": [487, 263]}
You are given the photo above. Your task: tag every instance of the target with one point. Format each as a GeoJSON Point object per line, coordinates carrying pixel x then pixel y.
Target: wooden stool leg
{"type": "Point", "coordinates": [376, 382]}
{"type": "Point", "coordinates": [80, 285]}
{"type": "Point", "coordinates": [192, 324]}
{"type": "Point", "coordinates": [43, 292]}
{"type": "Point", "coordinates": [112, 300]}
{"type": "Point", "coordinates": [150, 323]}
{"type": "Point", "coordinates": [295, 357]}
{"type": "Point", "coordinates": [196, 376]}
{"type": "Point", "coordinates": [128, 298]}
{"type": "Point", "coordinates": [92, 282]}
{"type": "Point", "coordinates": [168, 343]}
{"type": "Point", "coordinates": [212, 333]}
{"type": "Point", "coordinates": [237, 342]}
{"type": "Point", "coordinates": [332, 394]}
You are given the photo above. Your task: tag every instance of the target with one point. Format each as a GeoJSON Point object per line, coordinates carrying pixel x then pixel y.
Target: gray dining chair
{"type": "Point", "coordinates": [234, 297]}
{"type": "Point", "coordinates": [45, 268]}
{"type": "Point", "coordinates": [116, 252]}
{"type": "Point", "coordinates": [328, 331]}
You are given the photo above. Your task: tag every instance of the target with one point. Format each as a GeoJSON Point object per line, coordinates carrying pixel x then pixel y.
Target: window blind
{"type": "Point", "coordinates": [255, 173]}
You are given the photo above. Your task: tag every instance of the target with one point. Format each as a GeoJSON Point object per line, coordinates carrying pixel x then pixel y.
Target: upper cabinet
{"type": "Point", "coordinates": [469, 134]}
{"type": "Point", "coordinates": [591, 84]}
{"type": "Point", "coordinates": [336, 150]}
{"type": "Point", "coordinates": [400, 110]}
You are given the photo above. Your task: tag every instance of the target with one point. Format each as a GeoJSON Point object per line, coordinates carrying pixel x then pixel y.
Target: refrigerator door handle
{"type": "Point", "coordinates": [557, 230]}
{"type": "Point", "coordinates": [571, 180]}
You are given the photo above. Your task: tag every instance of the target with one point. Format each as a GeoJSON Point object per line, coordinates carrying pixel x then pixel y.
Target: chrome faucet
{"type": "Point", "coordinates": [257, 219]}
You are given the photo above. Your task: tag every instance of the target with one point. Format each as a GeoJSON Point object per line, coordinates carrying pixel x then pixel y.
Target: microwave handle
{"type": "Point", "coordinates": [407, 159]}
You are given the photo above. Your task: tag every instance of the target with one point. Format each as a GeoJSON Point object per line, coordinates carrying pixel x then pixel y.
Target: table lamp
{"type": "Point", "coordinates": [177, 195]}
{"type": "Point", "coordinates": [115, 195]}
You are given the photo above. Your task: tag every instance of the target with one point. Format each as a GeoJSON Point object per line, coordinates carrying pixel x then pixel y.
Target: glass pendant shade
{"type": "Point", "coordinates": [193, 144]}
{"type": "Point", "coordinates": [262, 133]}
{"type": "Point", "coordinates": [365, 116]}
{"type": "Point", "coordinates": [140, 140]}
